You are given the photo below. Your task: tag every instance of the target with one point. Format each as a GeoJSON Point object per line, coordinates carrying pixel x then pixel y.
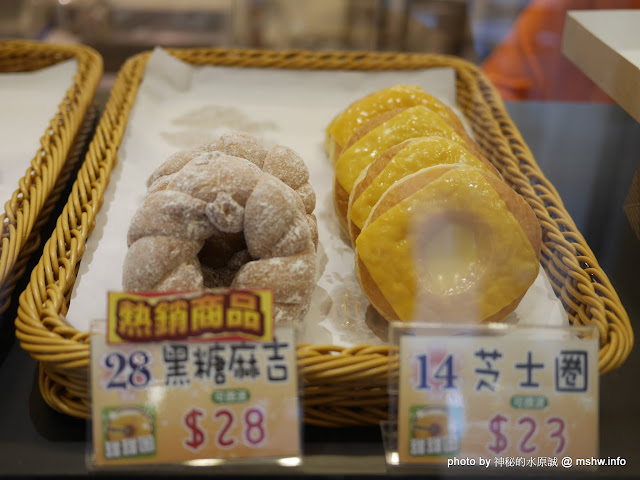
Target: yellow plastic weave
{"type": "Point", "coordinates": [60, 146]}
{"type": "Point", "coordinates": [342, 387]}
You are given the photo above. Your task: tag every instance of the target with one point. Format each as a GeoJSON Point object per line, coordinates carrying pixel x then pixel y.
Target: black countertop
{"type": "Point", "coordinates": [588, 151]}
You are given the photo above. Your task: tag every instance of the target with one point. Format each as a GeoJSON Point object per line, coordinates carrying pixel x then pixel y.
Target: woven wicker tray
{"type": "Point", "coordinates": [342, 386]}
{"type": "Point", "coordinates": [60, 147]}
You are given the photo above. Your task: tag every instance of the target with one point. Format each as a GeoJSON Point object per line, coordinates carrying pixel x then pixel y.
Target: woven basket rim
{"type": "Point", "coordinates": [40, 323]}
{"type": "Point", "coordinates": [32, 191]}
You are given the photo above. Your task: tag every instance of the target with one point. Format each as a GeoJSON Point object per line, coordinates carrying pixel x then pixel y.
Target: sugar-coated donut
{"type": "Point", "coordinates": [227, 214]}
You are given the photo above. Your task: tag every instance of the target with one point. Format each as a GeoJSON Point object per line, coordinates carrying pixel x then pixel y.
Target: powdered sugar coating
{"type": "Point", "coordinates": [212, 218]}
{"type": "Point", "coordinates": [175, 214]}
{"type": "Point", "coordinates": [291, 278]}
{"type": "Point", "coordinates": [308, 196]}
{"type": "Point", "coordinates": [272, 210]}
{"type": "Point", "coordinates": [226, 213]}
{"type": "Point", "coordinates": [173, 164]}
{"type": "Point", "coordinates": [280, 161]}
{"type": "Point", "coordinates": [240, 144]}
{"type": "Point", "coordinates": [285, 164]}
{"type": "Point", "coordinates": [150, 260]}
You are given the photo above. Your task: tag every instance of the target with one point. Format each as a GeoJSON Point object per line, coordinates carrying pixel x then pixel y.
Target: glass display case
{"type": "Point", "coordinates": [177, 75]}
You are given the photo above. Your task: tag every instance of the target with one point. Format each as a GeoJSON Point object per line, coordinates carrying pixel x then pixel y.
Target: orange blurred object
{"type": "Point", "coordinates": [529, 64]}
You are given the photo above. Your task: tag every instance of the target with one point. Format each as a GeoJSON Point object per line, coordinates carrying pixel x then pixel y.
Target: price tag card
{"type": "Point", "coordinates": [486, 395]}
{"type": "Point", "coordinates": [198, 379]}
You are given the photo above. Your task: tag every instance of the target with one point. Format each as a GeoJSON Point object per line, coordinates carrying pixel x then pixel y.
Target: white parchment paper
{"type": "Point", "coordinates": [179, 106]}
{"type": "Point", "coordinates": [29, 101]}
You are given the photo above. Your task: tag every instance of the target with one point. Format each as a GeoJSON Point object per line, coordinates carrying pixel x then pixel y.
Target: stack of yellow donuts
{"type": "Point", "coordinates": [438, 236]}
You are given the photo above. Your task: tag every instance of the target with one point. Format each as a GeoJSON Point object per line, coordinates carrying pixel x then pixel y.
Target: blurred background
{"type": "Point", "coordinates": [120, 28]}
{"type": "Point", "coordinates": [517, 43]}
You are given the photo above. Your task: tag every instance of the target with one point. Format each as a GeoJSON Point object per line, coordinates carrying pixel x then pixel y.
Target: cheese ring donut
{"type": "Point", "coordinates": [400, 160]}
{"type": "Point", "coordinates": [364, 109]}
{"type": "Point", "coordinates": [380, 134]}
{"type": "Point", "coordinates": [449, 243]}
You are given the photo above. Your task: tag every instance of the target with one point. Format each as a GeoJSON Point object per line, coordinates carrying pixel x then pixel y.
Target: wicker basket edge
{"type": "Point", "coordinates": [41, 299]}
{"type": "Point", "coordinates": [23, 209]}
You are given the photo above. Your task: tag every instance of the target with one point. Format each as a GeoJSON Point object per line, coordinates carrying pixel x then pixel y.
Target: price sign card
{"type": "Point", "coordinates": [200, 378]}
{"type": "Point", "coordinates": [487, 395]}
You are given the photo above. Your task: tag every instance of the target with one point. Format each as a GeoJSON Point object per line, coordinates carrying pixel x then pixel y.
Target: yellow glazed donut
{"type": "Point", "coordinates": [448, 243]}
{"type": "Point", "coordinates": [364, 109]}
{"type": "Point", "coordinates": [400, 160]}
{"type": "Point", "coordinates": [380, 134]}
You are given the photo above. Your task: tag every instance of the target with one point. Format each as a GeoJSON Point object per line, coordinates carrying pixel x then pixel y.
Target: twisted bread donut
{"type": "Point", "coordinates": [211, 219]}
{"type": "Point", "coordinates": [279, 161]}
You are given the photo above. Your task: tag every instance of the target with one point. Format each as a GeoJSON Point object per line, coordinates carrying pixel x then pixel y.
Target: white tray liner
{"type": "Point", "coordinates": [29, 100]}
{"type": "Point", "coordinates": [179, 105]}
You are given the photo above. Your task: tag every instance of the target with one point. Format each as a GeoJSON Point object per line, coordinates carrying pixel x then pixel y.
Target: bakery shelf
{"type": "Point", "coordinates": [342, 386]}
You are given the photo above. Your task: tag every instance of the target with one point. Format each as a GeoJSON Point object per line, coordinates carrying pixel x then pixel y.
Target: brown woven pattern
{"type": "Point", "coordinates": [49, 169]}
{"type": "Point", "coordinates": [342, 387]}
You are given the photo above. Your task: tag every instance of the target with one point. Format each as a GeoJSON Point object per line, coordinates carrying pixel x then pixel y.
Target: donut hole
{"type": "Point", "coordinates": [221, 256]}
{"type": "Point", "coordinates": [451, 252]}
